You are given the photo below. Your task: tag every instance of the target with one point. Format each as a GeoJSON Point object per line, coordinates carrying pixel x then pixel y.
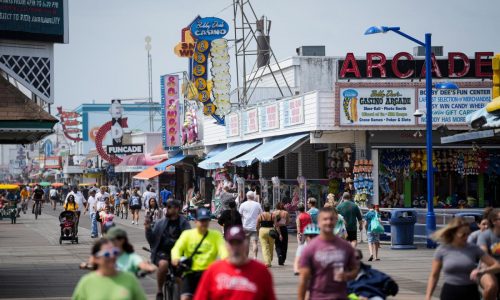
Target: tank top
{"type": "Point", "coordinates": [267, 223]}
{"type": "Point", "coordinates": [282, 220]}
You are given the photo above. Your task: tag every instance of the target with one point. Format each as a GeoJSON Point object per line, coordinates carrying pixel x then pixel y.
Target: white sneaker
{"type": "Point", "coordinates": [133, 222]}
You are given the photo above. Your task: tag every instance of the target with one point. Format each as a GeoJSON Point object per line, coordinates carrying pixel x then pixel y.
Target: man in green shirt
{"type": "Point", "coordinates": [352, 215]}
{"type": "Point", "coordinates": [203, 246]}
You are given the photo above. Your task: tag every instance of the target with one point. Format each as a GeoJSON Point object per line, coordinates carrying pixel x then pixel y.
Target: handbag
{"type": "Point", "coordinates": [273, 233]}
{"type": "Point", "coordinates": [375, 225]}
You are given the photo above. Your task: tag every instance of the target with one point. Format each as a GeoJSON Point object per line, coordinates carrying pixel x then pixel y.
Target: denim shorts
{"type": "Point", "coordinates": [373, 237]}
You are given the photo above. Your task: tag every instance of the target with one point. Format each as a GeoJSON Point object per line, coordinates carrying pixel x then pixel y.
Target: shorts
{"type": "Point", "coordinates": [190, 282]}
{"type": "Point", "coordinates": [352, 235]}
{"type": "Point", "coordinates": [161, 256]}
{"type": "Point", "coordinates": [252, 235]}
{"type": "Point", "coordinates": [373, 237]}
{"type": "Point", "coordinates": [135, 207]}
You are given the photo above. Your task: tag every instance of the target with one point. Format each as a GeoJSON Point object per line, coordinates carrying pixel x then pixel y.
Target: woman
{"type": "Point", "coordinates": [153, 211]}
{"type": "Point", "coordinates": [458, 260]}
{"type": "Point", "coordinates": [483, 226]}
{"type": "Point", "coordinates": [283, 219]}
{"type": "Point", "coordinates": [71, 205]}
{"type": "Point", "coordinates": [124, 196]}
{"type": "Point", "coordinates": [107, 282]}
{"type": "Point", "coordinates": [128, 260]}
{"type": "Point", "coordinates": [330, 201]}
{"type": "Point", "coordinates": [373, 238]}
{"type": "Point", "coordinates": [266, 222]}
{"type": "Point", "coordinates": [106, 217]}
{"type": "Point", "coordinates": [230, 217]}
{"type": "Point", "coordinates": [135, 206]}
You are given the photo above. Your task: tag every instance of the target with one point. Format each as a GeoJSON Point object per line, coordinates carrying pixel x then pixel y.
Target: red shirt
{"type": "Point", "coordinates": [224, 281]}
{"type": "Point", "coordinates": [304, 220]}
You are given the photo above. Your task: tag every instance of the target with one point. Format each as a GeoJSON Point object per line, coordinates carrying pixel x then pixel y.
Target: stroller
{"type": "Point", "coordinates": [68, 220]}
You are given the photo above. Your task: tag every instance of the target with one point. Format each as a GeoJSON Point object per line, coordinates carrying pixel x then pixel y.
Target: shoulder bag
{"type": "Point", "coordinates": [273, 233]}
{"type": "Point", "coordinates": [188, 262]}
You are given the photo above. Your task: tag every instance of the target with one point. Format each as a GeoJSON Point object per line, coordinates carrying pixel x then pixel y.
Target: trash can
{"type": "Point", "coordinates": [402, 223]}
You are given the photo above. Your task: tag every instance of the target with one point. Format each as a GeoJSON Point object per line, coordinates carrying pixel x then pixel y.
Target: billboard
{"type": "Point", "coordinates": [171, 111]}
{"type": "Point", "coordinates": [29, 20]}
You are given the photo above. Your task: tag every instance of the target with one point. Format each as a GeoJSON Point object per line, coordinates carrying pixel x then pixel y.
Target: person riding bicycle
{"type": "Point", "coordinates": [200, 247]}
{"type": "Point", "coordinates": [37, 197]}
{"type": "Point", "coordinates": [162, 239]}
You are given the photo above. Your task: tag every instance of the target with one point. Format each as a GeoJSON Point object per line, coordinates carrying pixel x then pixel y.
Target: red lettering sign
{"type": "Point", "coordinates": [380, 65]}
{"type": "Point", "coordinates": [452, 56]}
{"type": "Point", "coordinates": [395, 67]}
{"type": "Point", "coordinates": [483, 63]}
{"type": "Point", "coordinates": [350, 60]}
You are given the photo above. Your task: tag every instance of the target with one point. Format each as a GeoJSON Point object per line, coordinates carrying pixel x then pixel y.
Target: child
{"type": "Point", "coordinates": [153, 211]}
{"type": "Point", "coordinates": [310, 232]}
{"type": "Point", "coordinates": [107, 221]}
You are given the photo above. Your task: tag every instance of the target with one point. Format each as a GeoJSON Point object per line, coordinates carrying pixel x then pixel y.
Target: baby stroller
{"type": "Point", "coordinates": [68, 220]}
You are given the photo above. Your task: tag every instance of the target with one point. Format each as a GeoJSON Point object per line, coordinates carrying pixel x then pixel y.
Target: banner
{"type": "Point", "coordinates": [171, 111]}
{"type": "Point", "coordinates": [375, 107]}
{"type": "Point", "coordinates": [451, 106]}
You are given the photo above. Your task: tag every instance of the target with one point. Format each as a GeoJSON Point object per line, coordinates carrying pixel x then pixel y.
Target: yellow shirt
{"type": "Point", "coordinates": [213, 246]}
{"type": "Point", "coordinates": [24, 194]}
{"type": "Point", "coordinates": [71, 206]}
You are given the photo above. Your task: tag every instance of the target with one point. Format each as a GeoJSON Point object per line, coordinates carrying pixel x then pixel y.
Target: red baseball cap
{"type": "Point", "coordinates": [235, 233]}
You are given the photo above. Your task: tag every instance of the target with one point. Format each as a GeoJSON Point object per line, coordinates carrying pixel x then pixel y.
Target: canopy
{"type": "Point", "coordinates": [57, 184]}
{"type": "Point", "coordinates": [218, 160]}
{"type": "Point", "coordinates": [149, 173]}
{"type": "Point", "coordinates": [44, 183]}
{"type": "Point", "coordinates": [4, 186]}
{"type": "Point", "coordinates": [162, 167]}
{"type": "Point", "coordinates": [270, 150]}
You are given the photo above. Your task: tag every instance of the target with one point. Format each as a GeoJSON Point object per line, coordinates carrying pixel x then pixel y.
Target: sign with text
{"type": "Point", "coordinates": [252, 120]}
{"type": "Point", "coordinates": [269, 117]}
{"type": "Point", "coordinates": [232, 125]}
{"type": "Point", "coordinates": [293, 111]}
{"type": "Point", "coordinates": [209, 28]}
{"type": "Point", "coordinates": [171, 111]}
{"type": "Point", "coordinates": [30, 20]}
{"type": "Point", "coordinates": [375, 107]}
{"type": "Point", "coordinates": [451, 106]}
{"type": "Point", "coordinates": [124, 149]}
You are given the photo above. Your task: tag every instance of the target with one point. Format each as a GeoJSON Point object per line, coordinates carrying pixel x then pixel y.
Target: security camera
{"type": "Point", "coordinates": [418, 113]}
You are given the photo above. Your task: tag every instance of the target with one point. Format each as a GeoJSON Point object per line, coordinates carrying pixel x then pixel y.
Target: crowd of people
{"type": "Point", "coordinates": [223, 263]}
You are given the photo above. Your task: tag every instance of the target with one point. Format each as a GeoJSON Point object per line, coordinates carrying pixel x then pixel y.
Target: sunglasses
{"type": "Point", "coordinates": [113, 252]}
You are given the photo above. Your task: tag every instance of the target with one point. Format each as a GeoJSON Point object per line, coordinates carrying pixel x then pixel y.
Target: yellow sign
{"type": "Point", "coordinates": [203, 96]}
{"type": "Point", "coordinates": [202, 46]}
{"type": "Point", "coordinates": [209, 109]}
{"type": "Point", "coordinates": [200, 83]}
{"type": "Point", "coordinates": [199, 70]}
{"type": "Point", "coordinates": [186, 47]}
{"type": "Point", "coordinates": [199, 57]}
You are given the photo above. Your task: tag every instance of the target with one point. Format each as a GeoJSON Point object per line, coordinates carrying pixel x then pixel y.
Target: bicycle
{"type": "Point", "coordinates": [38, 208]}
{"type": "Point", "coordinates": [171, 288]}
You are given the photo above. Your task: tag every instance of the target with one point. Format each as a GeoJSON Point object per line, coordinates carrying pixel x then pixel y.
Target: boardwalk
{"type": "Point", "coordinates": [34, 266]}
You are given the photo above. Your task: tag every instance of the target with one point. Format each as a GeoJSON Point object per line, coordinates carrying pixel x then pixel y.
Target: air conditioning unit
{"type": "Point", "coordinates": [420, 51]}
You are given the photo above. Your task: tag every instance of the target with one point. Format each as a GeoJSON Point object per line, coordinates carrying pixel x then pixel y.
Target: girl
{"type": "Point", "coordinates": [107, 219]}
{"type": "Point", "coordinates": [135, 206]}
{"type": "Point", "coordinates": [153, 211]}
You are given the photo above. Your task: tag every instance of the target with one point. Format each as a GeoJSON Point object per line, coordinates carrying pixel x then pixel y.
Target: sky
{"type": "Point", "coordinates": [106, 57]}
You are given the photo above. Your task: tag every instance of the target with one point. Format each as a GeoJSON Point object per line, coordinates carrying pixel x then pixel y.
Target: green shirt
{"type": "Point", "coordinates": [213, 246]}
{"type": "Point", "coordinates": [128, 262]}
{"type": "Point", "coordinates": [123, 286]}
{"type": "Point", "coordinates": [350, 211]}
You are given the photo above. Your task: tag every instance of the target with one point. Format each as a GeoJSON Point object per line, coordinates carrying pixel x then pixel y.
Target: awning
{"type": "Point", "coordinates": [215, 151]}
{"type": "Point", "coordinates": [218, 160]}
{"type": "Point", "coordinates": [149, 173]}
{"type": "Point", "coordinates": [270, 150]}
{"type": "Point", "coordinates": [172, 161]}
{"type": "Point", "coordinates": [489, 135]}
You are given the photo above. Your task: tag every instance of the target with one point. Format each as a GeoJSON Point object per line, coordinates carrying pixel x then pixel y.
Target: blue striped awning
{"type": "Point", "coordinates": [162, 167]}
{"type": "Point", "coordinates": [218, 160]}
{"type": "Point", "coordinates": [268, 151]}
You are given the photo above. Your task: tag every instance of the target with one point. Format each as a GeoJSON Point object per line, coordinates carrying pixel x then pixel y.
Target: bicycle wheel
{"type": "Point", "coordinates": [171, 291]}
{"type": "Point", "coordinates": [36, 211]}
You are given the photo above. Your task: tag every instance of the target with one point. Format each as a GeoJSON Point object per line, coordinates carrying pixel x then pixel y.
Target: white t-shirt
{"type": "Point", "coordinates": [250, 211]}
{"type": "Point", "coordinates": [92, 204]}
{"type": "Point", "coordinates": [101, 203]}
{"type": "Point", "coordinates": [79, 199]}
{"type": "Point", "coordinates": [53, 193]}
{"type": "Point", "coordinates": [147, 196]}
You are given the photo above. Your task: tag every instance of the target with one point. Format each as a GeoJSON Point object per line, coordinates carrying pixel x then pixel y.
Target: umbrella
{"type": "Point", "coordinates": [8, 186]}
{"type": "Point", "coordinates": [33, 184]}
{"type": "Point", "coordinates": [85, 184]}
{"type": "Point", "coordinates": [44, 183]}
{"type": "Point", "coordinates": [57, 184]}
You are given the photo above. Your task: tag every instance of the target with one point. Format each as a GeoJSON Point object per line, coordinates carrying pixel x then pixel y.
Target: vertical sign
{"type": "Point", "coordinates": [269, 117]}
{"type": "Point", "coordinates": [170, 111]}
{"type": "Point", "coordinates": [233, 125]}
{"type": "Point", "coordinates": [252, 121]}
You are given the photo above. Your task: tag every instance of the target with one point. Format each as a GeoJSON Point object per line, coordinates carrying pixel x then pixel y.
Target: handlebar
{"type": "Point", "coordinates": [146, 249]}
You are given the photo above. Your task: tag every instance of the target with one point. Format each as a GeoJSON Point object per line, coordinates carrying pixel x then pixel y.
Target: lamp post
{"type": "Point", "coordinates": [147, 39]}
{"type": "Point", "coordinates": [431, 217]}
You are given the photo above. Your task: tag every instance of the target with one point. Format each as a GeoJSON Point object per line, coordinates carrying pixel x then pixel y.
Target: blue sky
{"type": "Point", "coordinates": [106, 59]}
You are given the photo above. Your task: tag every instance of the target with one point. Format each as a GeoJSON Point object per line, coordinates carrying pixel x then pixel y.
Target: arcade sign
{"type": "Point", "coordinates": [125, 149]}
{"type": "Point", "coordinates": [404, 66]}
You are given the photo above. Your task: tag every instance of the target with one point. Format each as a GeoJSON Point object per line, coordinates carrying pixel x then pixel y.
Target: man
{"type": "Point", "coordinates": [162, 238]}
{"type": "Point", "coordinates": [92, 209]}
{"type": "Point", "coordinates": [237, 277]}
{"type": "Point", "coordinates": [150, 193]}
{"type": "Point", "coordinates": [352, 214]}
{"type": "Point", "coordinates": [101, 198]}
{"type": "Point", "coordinates": [327, 262]}
{"type": "Point", "coordinates": [200, 245]}
{"type": "Point", "coordinates": [37, 196]}
{"type": "Point", "coordinates": [165, 195]}
{"type": "Point", "coordinates": [313, 211]}
{"type": "Point", "coordinates": [53, 197]}
{"type": "Point", "coordinates": [226, 197]}
{"type": "Point", "coordinates": [250, 211]}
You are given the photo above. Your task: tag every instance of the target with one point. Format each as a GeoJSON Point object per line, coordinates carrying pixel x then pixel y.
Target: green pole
{"type": "Point", "coordinates": [480, 184]}
{"type": "Point", "coordinates": [407, 191]}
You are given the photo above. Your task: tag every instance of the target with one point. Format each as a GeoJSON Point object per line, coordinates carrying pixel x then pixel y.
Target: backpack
{"type": "Point", "coordinates": [135, 200]}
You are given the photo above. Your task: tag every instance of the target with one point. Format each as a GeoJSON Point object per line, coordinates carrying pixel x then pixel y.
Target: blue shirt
{"type": "Point", "coordinates": [313, 212]}
{"type": "Point", "coordinates": [368, 217]}
{"type": "Point", "coordinates": [164, 195]}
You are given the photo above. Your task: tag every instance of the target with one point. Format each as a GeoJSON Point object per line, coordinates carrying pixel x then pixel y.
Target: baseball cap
{"type": "Point", "coordinates": [115, 232]}
{"type": "Point", "coordinates": [235, 233]}
{"type": "Point", "coordinates": [202, 214]}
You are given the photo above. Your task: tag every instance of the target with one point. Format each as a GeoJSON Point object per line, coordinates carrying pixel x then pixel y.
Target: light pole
{"type": "Point", "coordinates": [150, 82]}
{"type": "Point", "coordinates": [431, 217]}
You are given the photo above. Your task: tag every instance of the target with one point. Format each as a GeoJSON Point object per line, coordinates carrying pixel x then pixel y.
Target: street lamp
{"type": "Point", "coordinates": [431, 217]}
